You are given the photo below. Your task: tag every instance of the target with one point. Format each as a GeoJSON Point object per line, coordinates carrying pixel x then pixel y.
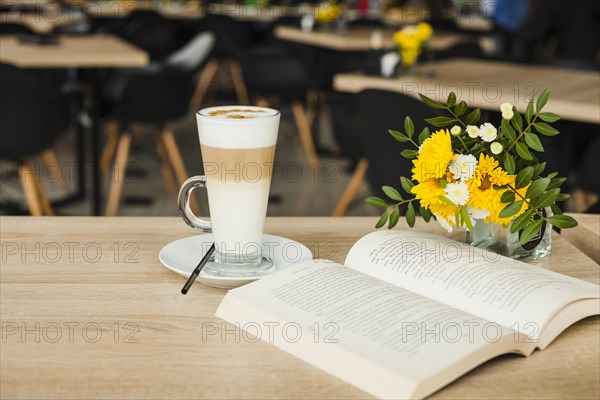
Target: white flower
{"type": "Point", "coordinates": [472, 131]}
{"type": "Point", "coordinates": [496, 148]}
{"type": "Point", "coordinates": [477, 213]}
{"type": "Point", "coordinates": [506, 107]}
{"type": "Point", "coordinates": [445, 223]}
{"type": "Point", "coordinates": [463, 166]}
{"type": "Point", "coordinates": [488, 132]}
{"type": "Point", "coordinates": [455, 130]}
{"type": "Point", "coordinates": [508, 114]}
{"type": "Point", "coordinates": [458, 193]}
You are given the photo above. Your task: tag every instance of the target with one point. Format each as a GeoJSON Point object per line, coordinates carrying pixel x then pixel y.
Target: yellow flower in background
{"type": "Point", "coordinates": [410, 40]}
{"type": "Point", "coordinates": [327, 12]}
{"type": "Point", "coordinates": [434, 157]}
{"type": "Point", "coordinates": [424, 31]}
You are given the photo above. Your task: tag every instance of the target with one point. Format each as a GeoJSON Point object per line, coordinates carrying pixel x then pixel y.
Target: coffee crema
{"type": "Point", "coordinates": [235, 113]}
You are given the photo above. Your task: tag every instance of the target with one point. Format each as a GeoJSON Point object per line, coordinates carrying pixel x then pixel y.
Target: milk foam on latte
{"type": "Point", "coordinates": [238, 147]}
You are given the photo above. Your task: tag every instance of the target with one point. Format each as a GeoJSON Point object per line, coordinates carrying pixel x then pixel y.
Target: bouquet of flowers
{"type": "Point", "coordinates": [410, 40]}
{"type": "Point", "coordinates": [470, 171]}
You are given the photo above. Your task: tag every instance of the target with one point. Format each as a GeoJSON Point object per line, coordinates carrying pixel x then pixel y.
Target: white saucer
{"type": "Point", "coordinates": [182, 256]}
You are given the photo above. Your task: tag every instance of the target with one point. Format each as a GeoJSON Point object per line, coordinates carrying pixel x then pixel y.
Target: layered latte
{"type": "Point", "coordinates": [238, 148]}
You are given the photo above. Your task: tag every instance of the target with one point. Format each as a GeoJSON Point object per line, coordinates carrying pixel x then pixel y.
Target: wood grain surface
{"type": "Point", "coordinates": [84, 51]}
{"type": "Point", "coordinates": [487, 84]}
{"type": "Point", "coordinates": [65, 275]}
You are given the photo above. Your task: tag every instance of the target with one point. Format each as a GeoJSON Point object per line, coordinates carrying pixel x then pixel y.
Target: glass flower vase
{"type": "Point", "coordinates": [498, 239]}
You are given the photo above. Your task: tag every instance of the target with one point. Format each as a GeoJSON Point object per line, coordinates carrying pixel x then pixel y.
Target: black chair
{"type": "Point", "coordinates": [155, 96]}
{"type": "Point", "coordinates": [366, 137]}
{"type": "Point", "coordinates": [273, 69]}
{"type": "Point", "coordinates": [148, 30]}
{"type": "Point", "coordinates": [31, 118]}
{"type": "Point", "coordinates": [460, 50]}
{"type": "Point", "coordinates": [10, 28]}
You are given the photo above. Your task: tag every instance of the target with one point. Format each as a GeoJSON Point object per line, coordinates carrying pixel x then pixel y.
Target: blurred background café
{"type": "Point", "coordinates": [98, 98]}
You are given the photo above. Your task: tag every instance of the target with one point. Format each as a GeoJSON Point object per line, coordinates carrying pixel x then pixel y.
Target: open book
{"type": "Point", "coordinates": [409, 312]}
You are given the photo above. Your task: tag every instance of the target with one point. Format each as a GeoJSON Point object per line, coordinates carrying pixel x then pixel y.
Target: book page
{"type": "Point", "coordinates": [519, 296]}
{"type": "Point", "coordinates": [375, 335]}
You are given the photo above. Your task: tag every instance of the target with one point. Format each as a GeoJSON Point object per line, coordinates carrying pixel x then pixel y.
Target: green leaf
{"type": "Point", "coordinates": [410, 154]}
{"type": "Point", "coordinates": [391, 193]}
{"type": "Point", "coordinates": [473, 117]}
{"type": "Point", "coordinates": [425, 214]}
{"type": "Point", "coordinates": [410, 215]}
{"type": "Point", "coordinates": [556, 209]}
{"type": "Point", "coordinates": [542, 100]}
{"type": "Point", "coordinates": [530, 231]}
{"type": "Point", "coordinates": [529, 111]}
{"type": "Point", "coordinates": [548, 117]}
{"type": "Point", "coordinates": [533, 141]}
{"type": "Point", "coordinates": [545, 129]}
{"type": "Point", "coordinates": [424, 135]}
{"type": "Point", "coordinates": [451, 99]}
{"type": "Point", "coordinates": [443, 183]}
{"type": "Point", "coordinates": [511, 209]}
{"type": "Point", "coordinates": [517, 121]}
{"type": "Point", "coordinates": [509, 164]}
{"type": "Point", "coordinates": [409, 127]}
{"type": "Point", "coordinates": [522, 151]}
{"type": "Point", "coordinates": [407, 184]}
{"type": "Point", "coordinates": [457, 217]}
{"type": "Point", "coordinates": [508, 130]}
{"type": "Point", "coordinates": [523, 177]}
{"type": "Point", "coordinates": [441, 122]}
{"type": "Point", "coordinates": [522, 220]}
{"type": "Point", "coordinates": [507, 197]}
{"type": "Point", "coordinates": [537, 188]}
{"type": "Point", "coordinates": [538, 169]}
{"type": "Point", "coordinates": [552, 175]}
{"type": "Point", "coordinates": [546, 199]}
{"type": "Point", "coordinates": [399, 136]}
{"type": "Point", "coordinates": [465, 217]}
{"type": "Point", "coordinates": [376, 202]}
{"type": "Point", "coordinates": [446, 200]}
{"type": "Point", "coordinates": [556, 182]}
{"type": "Point", "coordinates": [432, 103]}
{"type": "Point", "coordinates": [460, 108]}
{"type": "Point", "coordinates": [394, 217]}
{"type": "Point", "coordinates": [382, 220]}
{"type": "Point", "coordinates": [563, 197]}
{"type": "Point", "coordinates": [562, 221]}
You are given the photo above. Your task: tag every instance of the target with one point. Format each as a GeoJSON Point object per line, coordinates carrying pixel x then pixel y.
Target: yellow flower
{"type": "Point", "coordinates": [434, 157]}
{"type": "Point", "coordinates": [482, 193]}
{"type": "Point", "coordinates": [428, 193]}
{"type": "Point", "coordinates": [424, 31]}
{"type": "Point", "coordinates": [327, 12]}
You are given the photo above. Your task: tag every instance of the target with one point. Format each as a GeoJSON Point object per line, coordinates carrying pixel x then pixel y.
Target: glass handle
{"type": "Point", "coordinates": [184, 204]}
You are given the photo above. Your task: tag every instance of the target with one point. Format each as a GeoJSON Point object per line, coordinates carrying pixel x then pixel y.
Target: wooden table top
{"type": "Point", "coordinates": [87, 51]}
{"type": "Point", "coordinates": [360, 38]}
{"type": "Point", "coordinates": [487, 84]}
{"type": "Point", "coordinates": [126, 331]}
{"type": "Point", "coordinates": [585, 236]}
{"type": "Point", "coordinates": [42, 23]}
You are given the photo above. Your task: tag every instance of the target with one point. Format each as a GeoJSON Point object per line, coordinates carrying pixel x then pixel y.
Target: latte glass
{"type": "Point", "coordinates": [238, 147]}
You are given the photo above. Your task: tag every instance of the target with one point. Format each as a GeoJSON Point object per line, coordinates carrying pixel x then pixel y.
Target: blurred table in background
{"type": "Point", "coordinates": [363, 38]}
{"type": "Point", "coordinates": [88, 53]}
{"type": "Point", "coordinates": [487, 84]}
{"type": "Point", "coordinates": [42, 23]}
